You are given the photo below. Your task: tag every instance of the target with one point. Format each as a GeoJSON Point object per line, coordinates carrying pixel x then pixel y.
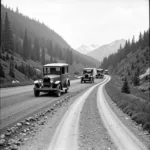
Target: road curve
{"type": "Point", "coordinates": [122, 137]}
{"type": "Point", "coordinates": [66, 135]}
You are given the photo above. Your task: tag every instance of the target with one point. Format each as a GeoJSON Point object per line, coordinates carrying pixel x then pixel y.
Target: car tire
{"type": "Point", "coordinates": [36, 93]}
{"type": "Point", "coordinates": [66, 90]}
{"type": "Point", "coordinates": [68, 82]}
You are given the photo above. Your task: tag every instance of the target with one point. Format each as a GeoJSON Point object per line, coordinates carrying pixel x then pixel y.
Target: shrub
{"type": "Point", "coordinates": [147, 126]}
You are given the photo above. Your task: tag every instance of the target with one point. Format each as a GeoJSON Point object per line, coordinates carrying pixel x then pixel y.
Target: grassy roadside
{"type": "Point", "coordinates": [9, 84]}
{"type": "Point", "coordinates": [136, 107]}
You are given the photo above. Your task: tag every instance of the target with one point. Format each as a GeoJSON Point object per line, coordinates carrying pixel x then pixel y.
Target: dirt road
{"type": "Point", "coordinates": [19, 102]}
{"type": "Point", "coordinates": [122, 137]}
{"type": "Point", "coordinates": [80, 121]}
{"type": "Point", "coordinates": [66, 134]}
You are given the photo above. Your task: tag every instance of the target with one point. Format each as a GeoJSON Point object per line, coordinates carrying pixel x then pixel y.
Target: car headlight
{"type": "Point", "coordinates": [51, 81]}
{"type": "Point", "coordinates": [40, 81]}
{"type": "Point", "coordinates": [35, 82]}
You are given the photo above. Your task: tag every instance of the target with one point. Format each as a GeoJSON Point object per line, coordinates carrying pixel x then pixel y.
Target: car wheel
{"type": "Point", "coordinates": [58, 93]}
{"type": "Point", "coordinates": [66, 90]}
{"type": "Point", "coordinates": [36, 93]}
{"type": "Point", "coordinates": [68, 83]}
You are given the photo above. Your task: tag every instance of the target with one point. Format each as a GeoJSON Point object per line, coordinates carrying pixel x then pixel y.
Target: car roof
{"type": "Point", "coordinates": [100, 69]}
{"type": "Point", "coordinates": [88, 68]}
{"type": "Point", "coordinates": [55, 65]}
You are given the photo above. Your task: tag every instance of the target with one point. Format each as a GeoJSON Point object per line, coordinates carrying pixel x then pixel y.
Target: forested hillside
{"type": "Point", "coordinates": [26, 44]}
{"type": "Point", "coordinates": [131, 61]}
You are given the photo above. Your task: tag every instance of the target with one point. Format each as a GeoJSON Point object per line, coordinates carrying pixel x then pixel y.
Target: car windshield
{"type": "Point", "coordinates": [87, 71]}
{"type": "Point", "coordinates": [51, 70]}
{"type": "Point", "coordinates": [99, 71]}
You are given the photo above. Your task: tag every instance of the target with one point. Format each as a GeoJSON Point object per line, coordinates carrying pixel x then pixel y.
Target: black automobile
{"type": "Point", "coordinates": [100, 73]}
{"type": "Point", "coordinates": [89, 74]}
{"type": "Point", "coordinates": [55, 79]}
{"type": "Point", "coordinates": [106, 71]}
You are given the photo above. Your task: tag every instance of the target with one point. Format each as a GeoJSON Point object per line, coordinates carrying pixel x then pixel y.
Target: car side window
{"type": "Point", "coordinates": [63, 70]}
{"type": "Point", "coordinates": [46, 70]}
{"type": "Point", "coordinates": [66, 69]}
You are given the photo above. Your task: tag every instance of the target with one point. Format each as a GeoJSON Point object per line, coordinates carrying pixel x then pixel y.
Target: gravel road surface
{"type": "Point", "coordinates": [66, 135]}
{"type": "Point", "coordinates": [79, 120]}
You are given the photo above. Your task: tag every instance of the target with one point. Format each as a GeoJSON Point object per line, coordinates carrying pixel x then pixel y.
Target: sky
{"type": "Point", "coordinates": [88, 21]}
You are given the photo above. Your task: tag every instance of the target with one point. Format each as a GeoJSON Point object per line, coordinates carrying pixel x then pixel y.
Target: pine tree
{"type": "Point", "coordinates": [50, 47]}
{"type": "Point", "coordinates": [36, 49]}
{"type": "Point", "coordinates": [29, 47]}
{"type": "Point", "coordinates": [1, 34]}
{"type": "Point", "coordinates": [125, 87]}
{"type": "Point", "coordinates": [25, 45]}
{"type": "Point", "coordinates": [43, 57]}
{"type": "Point", "coordinates": [7, 56]}
{"type": "Point", "coordinates": [140, 40]}
{"type": "Point", "coordinates": [7, 36]}
{"type": "Point", "coordinates": [11, 69]}
{"type": "Point", "coordinates": [136, 80]}
{"type": "Point", "coordinates": [132, 66]}
{"type": "Point", "coordinates": [18, 45]}
{"type": "Point", "coordinates": [133, 48]}
{"type": "Point", "coordinates": [2, 74]}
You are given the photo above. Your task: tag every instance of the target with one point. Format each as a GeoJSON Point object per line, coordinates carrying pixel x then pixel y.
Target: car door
{"type": "Point", "coordinates": [64, 74]}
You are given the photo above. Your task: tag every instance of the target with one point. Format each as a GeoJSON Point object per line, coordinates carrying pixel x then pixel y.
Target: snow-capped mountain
{"type": "Point", "coordinates": [84, 49]}
{"type": "Point", "coordinates": [106, 50]}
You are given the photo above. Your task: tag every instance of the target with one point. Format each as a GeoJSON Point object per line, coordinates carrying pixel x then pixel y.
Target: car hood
{"type": "Point", "coordinates": [52, 76]}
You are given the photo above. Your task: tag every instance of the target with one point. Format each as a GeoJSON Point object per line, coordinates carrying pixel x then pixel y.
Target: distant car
{"type": "Point", "coordinates": [89, 74]}
{"type": "Point", "coordinates": [100, 73]}
{"type": "Point", "coordinates": [55, 79]}
{"type": "Point", "coordinates": [105, 71]}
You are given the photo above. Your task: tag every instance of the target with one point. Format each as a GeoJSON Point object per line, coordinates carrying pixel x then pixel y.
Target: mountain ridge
{"type": "Point", "coordinates": [84, 49]}
{"type": "Point", "coordinates": [106, 50]}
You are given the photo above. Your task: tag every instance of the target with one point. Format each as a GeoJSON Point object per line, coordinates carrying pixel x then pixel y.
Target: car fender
{"type": "Point", "coordinates": [36, 82]}
{"type": "Point", "coordinates": [57, 82]}
{"type": "Point", "coordinates": [67, 82]}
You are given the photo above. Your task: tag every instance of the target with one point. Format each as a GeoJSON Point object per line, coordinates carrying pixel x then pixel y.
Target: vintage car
{"type": "Point", "coordinates": [89, 74]}
{"type": "Point", "coordinates": [55, 79]}
{"type": "Point", "coordinates": [100, 73]}
{"type": "Point", "coordinates": [105, 71]}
